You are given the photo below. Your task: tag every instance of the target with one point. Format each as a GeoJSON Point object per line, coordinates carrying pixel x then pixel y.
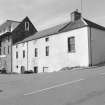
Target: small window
{"type": "Point", "coordinates": [4, 51]}
{"type": "Point", "coordinates": [17, 66]}
{"type": "Point", "coordinates": [9, 28]}
{"type": "Point", "coordinates": [23, 53]}
{"type": "Point", "coordinates": [47, 50]}
{"type": "Point", "coordinates": [8, 38]}
{"type": "Point", "coordinates": [36, 52]}
{"type": "Point", "coordinates": [0, 50]}
{"type": "Point", "coordinates": [16, 46]}
{"type": "Point", "coordinates": [47, 39]}
{"type": "Point", "coordinates": [26, 26]}
{"type": "Point", "coordinates": [71, 44]}
{"type": "Point", "coordinates": [8, 49]}
{"type": "Point", "coordinates": [16, 55]}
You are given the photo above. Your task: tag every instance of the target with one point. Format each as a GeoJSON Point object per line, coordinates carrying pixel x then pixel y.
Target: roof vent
{"type": "Point", "coordinates": [75, 15]}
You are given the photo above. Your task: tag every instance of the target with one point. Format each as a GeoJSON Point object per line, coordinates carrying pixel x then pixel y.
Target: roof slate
{"type": "Point", "coordinates": [94, 25]}
{"type": "Point", "coordinates": [63, 28]}
{"type": "Point", "coordinates": [7, 23]}
{"type": "Point", "coordinates": [45, 33]}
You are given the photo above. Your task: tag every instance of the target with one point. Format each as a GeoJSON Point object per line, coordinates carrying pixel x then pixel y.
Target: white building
{"type": "Point", "coordinates": [79, 42]}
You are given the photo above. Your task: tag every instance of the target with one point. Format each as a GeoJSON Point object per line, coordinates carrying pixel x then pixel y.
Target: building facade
{"type": "Point", "coordinates": [7, 39]}
{"type": "Point", "coordinates": [79, 42]}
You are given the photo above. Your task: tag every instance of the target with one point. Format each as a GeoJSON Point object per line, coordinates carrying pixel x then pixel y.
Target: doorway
{"type": "Point", "coordinates": [45, 69]}
{"type": "Point", "coordinates": [22, 69]}
{"type": "Point", "coordinates": [36, 69]}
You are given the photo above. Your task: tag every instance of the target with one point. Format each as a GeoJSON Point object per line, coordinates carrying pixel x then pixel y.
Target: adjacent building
{"type": "Point", "coordinates": [10, 33]}
{"type": "Point", "coordinates": [79, 42]}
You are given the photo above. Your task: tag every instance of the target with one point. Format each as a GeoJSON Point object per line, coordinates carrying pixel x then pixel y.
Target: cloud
{"type": "Point", "coordinates": [42, 12]}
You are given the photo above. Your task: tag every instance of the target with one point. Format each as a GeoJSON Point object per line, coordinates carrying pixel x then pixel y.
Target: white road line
{"type": "Point", "coordinates": [55, 86]}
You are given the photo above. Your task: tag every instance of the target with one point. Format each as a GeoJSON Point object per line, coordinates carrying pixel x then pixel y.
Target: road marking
{"type": "Point", "coordinates": [52, 87]}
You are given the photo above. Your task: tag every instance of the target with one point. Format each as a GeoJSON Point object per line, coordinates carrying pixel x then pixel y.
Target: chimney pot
{"type": "Point", "coordinates": [75, 15]}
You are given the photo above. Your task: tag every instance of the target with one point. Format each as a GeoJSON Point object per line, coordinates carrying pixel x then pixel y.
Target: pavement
{"type": "Point", "coordinates": [75, 87]}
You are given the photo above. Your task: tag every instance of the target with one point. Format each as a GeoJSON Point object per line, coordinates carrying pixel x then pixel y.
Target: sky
{"type": "Point", "coordinates": [47, 13]}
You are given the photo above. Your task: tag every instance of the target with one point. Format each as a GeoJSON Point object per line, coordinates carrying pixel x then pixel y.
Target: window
{"type": "Point", "coordinates": [36, 52]}
{"type": "Point", "coordinates": [16, 55]}
{"type": "Point", "coordinates": [8, 49]}
{"type": "Point", "coordinates": [0, 50]}
{"type": "Point", "coordinates": [8, 38]}
{"type": "Point", "coordinates": [26, 26]}
{"type": "Point", "coordinates": [23, 53]}
{"type": "Point", "coordinates": [16, 46]}
{"type": "Point", "coordinates": [17, 66]}
{"type": "Point", "coordinates": [0, 43]}
{"type": "Point", "coordinates": [4, 50]}
{"type": "Point", "coordinates": [71, 44]}
{"type": "Point", "coordinates": [9, 28]}
{"type": "Point", "coordinates": [47, 50]}
{"type": "Point", "coordinates": [47, 39]}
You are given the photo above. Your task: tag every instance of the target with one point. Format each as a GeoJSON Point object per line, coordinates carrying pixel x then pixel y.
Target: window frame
{"type": "Point", "coordinates": [71, 44]}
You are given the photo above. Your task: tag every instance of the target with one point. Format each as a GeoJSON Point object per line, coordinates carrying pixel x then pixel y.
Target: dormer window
{"type": "Point", "coordinates": [26, 26]}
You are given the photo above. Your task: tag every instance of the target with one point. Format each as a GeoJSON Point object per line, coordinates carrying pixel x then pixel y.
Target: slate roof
{"type": "Point", "coordinates": [8, 23]}
{"type": "Point", "coordinates": [45, 33]}
{"type": "Point", "coordinates": [94, 25]}
{"type": "Point", "coordinates": [64, 28]}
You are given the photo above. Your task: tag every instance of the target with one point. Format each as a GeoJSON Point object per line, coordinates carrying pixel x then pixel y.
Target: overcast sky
{"type": "Point", "coordinates": [46, 13]}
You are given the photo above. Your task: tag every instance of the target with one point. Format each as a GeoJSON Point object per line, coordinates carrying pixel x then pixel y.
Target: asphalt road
{"type": "Point", "coordinates": [77, 87]}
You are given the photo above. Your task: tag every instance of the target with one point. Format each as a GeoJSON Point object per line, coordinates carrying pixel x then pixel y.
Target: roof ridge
{"type": "Point", "coordinates": [64, 26]}
{"type": "Point", "coordinates": [93, 24]}
{"type": "Point", "coordinates": [13, 21]}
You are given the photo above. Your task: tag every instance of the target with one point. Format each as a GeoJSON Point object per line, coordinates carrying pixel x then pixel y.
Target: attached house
{"type": "Point", "coordinates": [10, 33]}
{"type": "Point", "coordinates": [79, 42]}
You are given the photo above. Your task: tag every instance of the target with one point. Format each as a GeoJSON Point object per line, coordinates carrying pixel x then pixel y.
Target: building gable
{"type": "Point", "coordinates": [23, 30]}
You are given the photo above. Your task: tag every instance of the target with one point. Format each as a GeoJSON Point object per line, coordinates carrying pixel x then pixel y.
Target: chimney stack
{"type": "Point", "coordinates": [75, 15]}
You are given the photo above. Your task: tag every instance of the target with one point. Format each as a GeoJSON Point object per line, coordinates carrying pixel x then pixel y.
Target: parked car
{"type": "Point", "coordinates": [28, 72]}
{"type": "Point", "coordinates": [3, 71]}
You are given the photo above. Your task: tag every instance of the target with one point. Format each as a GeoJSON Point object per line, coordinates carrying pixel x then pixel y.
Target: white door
{"type": "Point", "coordinates": [45, 69]}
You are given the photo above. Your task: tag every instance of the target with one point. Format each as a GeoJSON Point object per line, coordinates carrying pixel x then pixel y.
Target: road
{"type": "Point", "coordinates": [76, 87]}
